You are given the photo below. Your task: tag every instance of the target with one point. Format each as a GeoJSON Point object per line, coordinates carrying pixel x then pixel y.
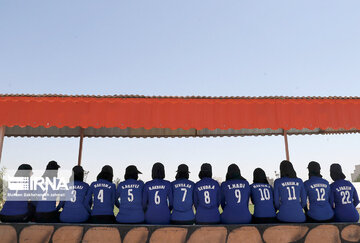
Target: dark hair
{"type": "Point", "coordinates": [51, 169]}
{"type": "Point", "coordinates": [106, 174]}
{"type": "Point", "coordinates": [131, 172]}
{"type": "Point", "coordinates": [260, 176]}
{"type": "Point", "coordinates": [234, 173]}
{"type": "Point", "coordinates": [158, 171]}
{"type": "Point", "coordinates": [24, 170]}
{"type": "Point", "coordinates": [336, 172]}
{"type": "Point", "coordinates": [77, 173]}
{"type": "Point", "coordinates": [314, 169]}
{"type": "Point", "coordinates": [182, 172]}
{"type": "Point", "coordinates": [287, 169]}
{"type": "Point", "coordinates": [205, 171]}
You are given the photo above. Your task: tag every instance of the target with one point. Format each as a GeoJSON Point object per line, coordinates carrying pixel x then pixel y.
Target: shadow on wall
{"type": "Point", "coordinates": [63, 233]}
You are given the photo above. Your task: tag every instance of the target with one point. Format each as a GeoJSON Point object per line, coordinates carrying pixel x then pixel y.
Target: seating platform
{"type": "Point", "coordinates": [90, 233]}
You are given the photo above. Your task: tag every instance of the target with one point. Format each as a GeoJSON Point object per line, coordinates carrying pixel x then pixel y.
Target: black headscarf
{"type": "Point", "coordinates": [287, 169]}
{"type": "Point", "coordinates": [314, 169]}
{"type": "Point", "coordinates": [260, 176]}
{"type": "Point", "coordinates": [51, 169]}
{"type": "Point", "coordinates": [24, 170]}
{"type": "Point", "coordinates": [77, 173]}
{"type": "Point", "coordinates": [158, 171]}
{"type": "Point", "coordinates": [182, 172]}
{"type": "Point", "coordinates": [336, 172]}
{"type": "Point", "coordinates": [106, 173]}
{"type": "Point", "coordinates": [131, 172]}
{"type": "Point", "coordinates": [205, 171]}
{"type": "Point", "coordinates": [233, 172]}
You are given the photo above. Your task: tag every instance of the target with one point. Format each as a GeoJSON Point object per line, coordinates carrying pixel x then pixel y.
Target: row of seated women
{"type": "Point", "coordinates": [185, 202]}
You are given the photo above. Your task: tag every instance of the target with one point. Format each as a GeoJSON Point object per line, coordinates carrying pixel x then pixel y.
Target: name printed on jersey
{"type": "Point", "coordinates": [318, 185]}
{"type": "Point", "coordinates": [156, 187]}
{"type": "Point", "coordinates": [343, 188]}
{"type": "Point", "coordinates": [236, 186]}
{"type": "Point", "coordinates": [206, 187]}
{"type": "Point", "coordinates": [290, 183]}
{"type": "Point", "coordinates": [76, 187]}
{"type": "Point", "coordinates": [102, 185]}
{"type": "Point", "coordinates": [130, 186]}
{"type": "Point", "coordinates": [261, 185]}
{"type": "Point", "coordinates": [182, 185]}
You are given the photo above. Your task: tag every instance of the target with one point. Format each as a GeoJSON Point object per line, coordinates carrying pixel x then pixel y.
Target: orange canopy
{"type": "Point", "coordinates": [140, 116]}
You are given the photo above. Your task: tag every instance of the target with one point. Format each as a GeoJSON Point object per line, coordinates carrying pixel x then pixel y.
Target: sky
{"type": "Point", "coordinates": [203, 47]}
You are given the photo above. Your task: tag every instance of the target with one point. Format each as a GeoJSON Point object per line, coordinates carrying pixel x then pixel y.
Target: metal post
{"type": "Point", "coordinates": [2, 135]}
{"type": "Point", "coordinates": [286, 146]}
{"type": "Point", "coordinates": [80, 145]}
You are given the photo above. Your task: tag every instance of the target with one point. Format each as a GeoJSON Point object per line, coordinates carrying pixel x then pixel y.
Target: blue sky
{"type": "Point", "coordinates": [204, 47]}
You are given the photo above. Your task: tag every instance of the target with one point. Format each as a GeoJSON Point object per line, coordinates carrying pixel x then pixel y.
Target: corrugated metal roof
{"type": "Point", "coordinates": [40, 131]}
{"type": "Point", "coordinates": [179, 97]}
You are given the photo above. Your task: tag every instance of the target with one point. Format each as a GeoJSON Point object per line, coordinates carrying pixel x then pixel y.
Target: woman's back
{"type": "Point", "coordinates": [262, 196]}
{"type": "Point", "coordinates": [130, 194]}
{"type": "Point", "coordinates": [103, 193]}
{"type": "Point", "coordinates": [157, 198]}
{"type": "Point", "coordinates": [235, 195]}
{"type": "Point", "coordinates": [207, 200]}
{"type": "Point", "coordinates": [182, 200]}
{"type": "Point", "coordinates": [290, 199]}
{"type": "Point", "coordinates": [318, 192]}
{"type": "Point", "coordinates": [75, 209]}
{"type": "Point", "coordinates": [345, 199]}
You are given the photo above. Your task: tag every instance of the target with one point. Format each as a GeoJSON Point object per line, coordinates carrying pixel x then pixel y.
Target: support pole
{"type": "Point", "coordinates": [80, 145]}
{"type": "Point", "coordinates": [286, 145]}
{"type": "Point", "coordinates": [2, 135]}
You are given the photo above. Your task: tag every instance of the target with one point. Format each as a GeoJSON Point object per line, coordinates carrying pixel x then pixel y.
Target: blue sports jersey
{"type": "Point", "coordinates": [14, 208]}
{"type": "Point", "coordinates": [262, 196]}
{"type": "Point", "coordinates": [235, 202]}
{"type": "Point", "coordinates": [76, 210]}
{"type": "Point", "coordinates": [207, 200]}
{"type": "Point", "coordinates": [47, 202]}
{"type": "Point", "coordinates": [344, 198]}
{"type": "Point", "coordinates": [104, 193]}
{"type": "Point", "coordinates": [129, 198]}
{"type": "Point", "coordinates": [157, 199]}
{"type": "Point", "coordinates": [183, 200]}
{"type": "Point", "coordinates": [290, 199]}
{"type": "Point", "coordinates": [318, 192]}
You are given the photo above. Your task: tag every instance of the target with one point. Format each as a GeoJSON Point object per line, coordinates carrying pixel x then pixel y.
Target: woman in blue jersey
{"type": "Point", "coordinates": [129, 198]}
{"type": "Point", "coordinates": [318, 192]}
{"type": "Point", "coordinates": [207, 197]}
{"type": "Point", "coordinates": [343, 196]}
{"type": "Point", "coordinates": [103, 195]}
{"type": "Point", "coordinates": [289, 195]}
{"type": "Point", "coordinates": [182, 189]}
{"type": "Point", "coordinates": [157, 197]}
{"type": "Point", "coordinates": [75, 210]}
{"type": "Point", "coordinates": [262, 196]}
{"type": "Point", "coordinates": [235, 193]}
{"type": "Point", "coordinates": [16, 210]}
{"type": "Point", "coordinates": [46, 209]}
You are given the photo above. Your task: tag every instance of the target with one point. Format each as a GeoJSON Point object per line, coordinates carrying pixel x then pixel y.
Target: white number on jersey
{"type": "Point", "coordinates": [73, 198]}
{"type": "Point", "coordinates": [293, 196]}
{"type": "Point", "coordinates": [320, 194]}
{"type": "Point", "coordinates": [157, 198]}
{"type": "Point", "coordinates": [238, 195]}
{"type": "Point", "coordinates": [130, 195]}
{"type": "Point", "coordinates": [207, 197]}
{"type": "Point", "coordinates": [184, 196]}
{"type": "Point", "coordinates": [265, 194]}
{"type": "Point", "coordinates": [345, 197]}
{"type": "Point", "coordinates": [101, 196]}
